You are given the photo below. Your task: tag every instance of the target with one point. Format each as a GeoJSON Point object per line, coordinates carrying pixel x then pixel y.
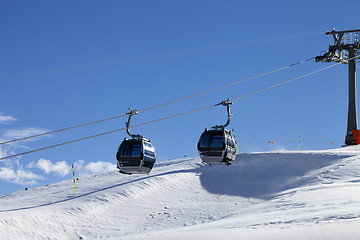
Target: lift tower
{"type": "Point", "coordinates": [346, 49]}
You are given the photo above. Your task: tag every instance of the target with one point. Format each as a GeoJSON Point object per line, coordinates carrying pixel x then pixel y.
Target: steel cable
{"type": "Point", "coordinates": [162, 55]}
{"type": "Point", "coordinates": [176, 115]}
{"type": "Point", "coordinates": [161, 105]}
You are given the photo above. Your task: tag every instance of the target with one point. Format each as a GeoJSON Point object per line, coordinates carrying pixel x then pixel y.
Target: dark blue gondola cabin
{"type": "Point", "coordinates": [216, 147]}
{"type": "Point", "coordinates": [135, 156]}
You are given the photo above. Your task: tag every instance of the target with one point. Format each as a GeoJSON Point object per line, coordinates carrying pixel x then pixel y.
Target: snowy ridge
{"type": "Point", "coordinates": [273, 195]}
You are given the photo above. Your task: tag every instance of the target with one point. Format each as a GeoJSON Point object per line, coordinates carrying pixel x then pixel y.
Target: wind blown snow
{"type": "Point", "coordinates": [271, 195]}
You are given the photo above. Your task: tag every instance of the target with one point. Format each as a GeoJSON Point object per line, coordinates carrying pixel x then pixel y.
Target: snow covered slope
{"type": "Point", "coordinates": [273, 195]}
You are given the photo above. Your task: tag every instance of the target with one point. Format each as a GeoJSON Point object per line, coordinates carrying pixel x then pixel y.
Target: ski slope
{"type": "Point", "coordinates": [270, 195]}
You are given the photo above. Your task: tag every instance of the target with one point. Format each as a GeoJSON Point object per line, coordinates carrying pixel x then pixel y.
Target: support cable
{"type": "Point", "coordinates": [61, 130]}
{"type": "Point", "coordinates": [176, 115]}
{"type": "Point", "coordinates": [288, 81]}
{"type": "Point", "coordinates": [161, 105]}
{"type": "Point", "coordinates": [229, 85]}
{"type": "Point", "coordinates": [162, 55]}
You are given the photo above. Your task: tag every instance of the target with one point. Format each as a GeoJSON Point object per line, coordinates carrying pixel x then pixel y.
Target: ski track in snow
{"type": "Point", "coordinates": [271, 195]}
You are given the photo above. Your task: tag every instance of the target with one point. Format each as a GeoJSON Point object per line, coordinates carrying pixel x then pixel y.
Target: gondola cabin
{"type": "Point", "coordinates": [216, 146]}
{"type": "Point", "coordinates": [135, 155]}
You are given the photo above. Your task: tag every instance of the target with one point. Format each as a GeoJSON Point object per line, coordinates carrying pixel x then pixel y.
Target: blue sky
{"type": "Point", "coordinates": [72, 62]}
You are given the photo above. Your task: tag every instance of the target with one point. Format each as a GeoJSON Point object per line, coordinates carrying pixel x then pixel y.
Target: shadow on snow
{"type": "Point", "coordinates": [265, 175]}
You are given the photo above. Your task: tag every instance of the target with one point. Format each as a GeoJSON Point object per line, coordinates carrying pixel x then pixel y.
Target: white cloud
{"type": "Point", "coordinates": [12, 134]}
{"type": "Point", "coordinates": [61, 168]}
{"type": "Point", "coordinates": [6, 150]}
{"type": "Point", "coordinates": [6, 119]}
{"type": "Point", "coordinates": [9, 173]}
{"type": "Point", "coordinates": [3, 152]}
{"type": "Point", "coordinates": [96, 167]}
{"type": "Point", "coordinates": [19, 176]}
{"type": "Point", "coordinates": [83, 169]}
{"type": "Point", "coordinates": [31, 165]}
{"type": "Point", "coordinates": [79, 165]}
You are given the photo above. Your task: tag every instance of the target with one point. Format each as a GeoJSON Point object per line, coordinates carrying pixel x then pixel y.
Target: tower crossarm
{"type": "Point", "coordinates": [339, 52]}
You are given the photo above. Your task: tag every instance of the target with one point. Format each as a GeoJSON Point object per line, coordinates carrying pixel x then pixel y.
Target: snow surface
{"type": "Point", "coordinates": [271, 195]}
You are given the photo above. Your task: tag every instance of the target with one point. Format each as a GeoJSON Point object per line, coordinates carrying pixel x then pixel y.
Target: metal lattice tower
{"type": "Point", "coordinates": [346, 49]}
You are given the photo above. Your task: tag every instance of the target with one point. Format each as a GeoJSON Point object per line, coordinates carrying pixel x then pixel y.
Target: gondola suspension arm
{"type": "Point", "coordinates": [127, 124]}
{"type": "Point", "coordinates": [226, 103]}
